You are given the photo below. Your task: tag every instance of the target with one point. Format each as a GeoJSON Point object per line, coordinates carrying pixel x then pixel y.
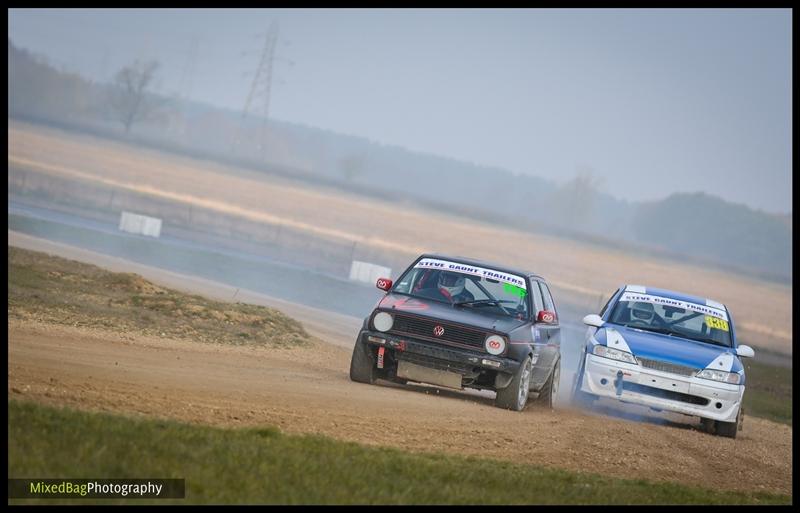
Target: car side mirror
{"type": "Point", "coordinates": [384, 283]}
{"type": "Point", "coordinates": [546, 316]}
{"type": "Point", "coordinates": [593, 320]}
{"type": "Point", "coordinates": [745, 351]}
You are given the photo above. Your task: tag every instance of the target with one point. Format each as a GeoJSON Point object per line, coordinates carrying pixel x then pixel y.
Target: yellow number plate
{"type": "Point", "coordinates": [716, 323]}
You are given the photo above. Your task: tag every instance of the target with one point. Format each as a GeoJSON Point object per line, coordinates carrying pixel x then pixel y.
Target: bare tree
{"type": "Point", "coordinates": [352, 166]}
{"type": "Point", "coordinates": [575, 200]}
{"type": "Point", "coordinates": [130, 99]}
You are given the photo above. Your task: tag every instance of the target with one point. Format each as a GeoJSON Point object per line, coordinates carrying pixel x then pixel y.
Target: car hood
{"type": "Point", "coordinates": [679, 351]}
{"type": "Point", "coordinates": [436, 310]}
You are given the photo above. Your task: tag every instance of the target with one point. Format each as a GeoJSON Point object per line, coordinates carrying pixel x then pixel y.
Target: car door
{"type": "Point", "coordinates": [547, 335]}
{"type": "Point", "coordinates": [551, 332]}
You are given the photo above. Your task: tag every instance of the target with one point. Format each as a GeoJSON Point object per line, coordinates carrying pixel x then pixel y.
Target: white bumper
{"type": "Point", "coordinates": [600, 377]}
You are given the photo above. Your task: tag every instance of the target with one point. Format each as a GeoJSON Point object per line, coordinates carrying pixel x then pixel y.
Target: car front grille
{"type": "Point", "coordinates": [436, 363]}
{"type": "Point", "coordinates": [667, 367]}
{"type": "Point", "coordinates": [424, 328]}
{"type": "Point", "coordinates": [664, 394]}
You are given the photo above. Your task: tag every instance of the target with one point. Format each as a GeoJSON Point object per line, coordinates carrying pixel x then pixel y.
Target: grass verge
{"type": "Point", "coordinates": [768, 392]}
{"type": "Point", "coordinates": [55, 290]}
{"type": "Point", "coordinates": [262, 465]}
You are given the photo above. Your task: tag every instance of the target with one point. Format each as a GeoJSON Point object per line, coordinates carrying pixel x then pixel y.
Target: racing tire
{"type": "Point", "coordinates": [729, 429]}
{"type": "Point", "coordinates": [515, 395]}
{"type": "Point", "coordinates": [362, 364]}
{"type": "Point", "coordinates": [549, 392]}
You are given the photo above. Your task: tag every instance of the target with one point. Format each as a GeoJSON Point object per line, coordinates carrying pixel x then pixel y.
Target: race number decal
{"type": "Point", "coordinates": [716, 323]}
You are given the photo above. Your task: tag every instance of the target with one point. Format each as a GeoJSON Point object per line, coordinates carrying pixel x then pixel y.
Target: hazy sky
{"type": "Point", "coordinates": [652, 101]}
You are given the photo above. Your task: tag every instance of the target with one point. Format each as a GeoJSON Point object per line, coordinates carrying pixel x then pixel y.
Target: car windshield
{"type": "Point", "coordinates": [673, 317]}
{"type": "Point", "coordinates": [480, 289]}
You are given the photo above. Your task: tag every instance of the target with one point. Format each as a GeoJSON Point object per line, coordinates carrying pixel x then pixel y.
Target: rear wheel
{"type": "Point", "coordinates": [362, 364]}
{"type": "Point", "coordinates": [515, 395]}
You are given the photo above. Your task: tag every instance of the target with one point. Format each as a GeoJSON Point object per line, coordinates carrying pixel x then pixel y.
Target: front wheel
{"type": "Point", "coordinates": [729, 429]}
{"type": "Point", "coordinates": [362, 364]}
{"type": "Point", "coordinates": [515, 395]}
{"type": "Point", "coordinates": [726, 429]}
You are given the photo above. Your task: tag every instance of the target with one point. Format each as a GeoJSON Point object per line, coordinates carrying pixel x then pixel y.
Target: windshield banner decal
{"type": "Point", "coordinates": [432, 263]}
{"type": "Point", "coordinates": [665, 301]}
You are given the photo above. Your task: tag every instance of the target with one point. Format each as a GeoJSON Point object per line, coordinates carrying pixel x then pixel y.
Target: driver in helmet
{"type": "Point", "coordinates": [451, 286]}
{"type": "Point", "coordinates": [642, 312]}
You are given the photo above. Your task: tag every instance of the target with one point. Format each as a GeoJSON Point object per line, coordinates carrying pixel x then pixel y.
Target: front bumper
{"type": "Point", "coordinates": [661, 390]}
{"type": "Point", "coordinates": [441, 357]}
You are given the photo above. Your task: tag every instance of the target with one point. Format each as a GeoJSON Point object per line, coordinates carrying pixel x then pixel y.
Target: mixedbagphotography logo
{"type": "Point", "coordinates": [96, 488]}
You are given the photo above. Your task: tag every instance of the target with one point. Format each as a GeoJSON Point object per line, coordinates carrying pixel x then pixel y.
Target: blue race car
{"type": "Point", "coordinates": [668, 351]}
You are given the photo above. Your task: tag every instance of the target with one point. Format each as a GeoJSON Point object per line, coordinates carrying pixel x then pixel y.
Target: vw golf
{"type": "Point", "coordinates": [463, 323]}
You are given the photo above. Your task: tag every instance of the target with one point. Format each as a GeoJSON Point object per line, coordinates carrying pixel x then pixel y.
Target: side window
{"type": "Point", "coordinates": [409, 279]}
{"type": "Point", "coordinates": [537, 299]}
{"type": "Point", "coordinates": [548, 300]}
{"type": "Point", "coordinates": [603, 311]}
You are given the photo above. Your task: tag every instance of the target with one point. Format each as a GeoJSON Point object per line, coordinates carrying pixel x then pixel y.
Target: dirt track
{"type": "Point", "coordinates": [308, 391]}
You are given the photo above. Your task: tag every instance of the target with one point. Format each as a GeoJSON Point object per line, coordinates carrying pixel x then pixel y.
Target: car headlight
{"type": "Point", "coordinates": [383, 321]}
{"type": "Point", "coordinates": [495, 344]}
{"type": "Point", "coordinates": [718, 375]}
{"type": "Point", "coordinates": [614, 354]}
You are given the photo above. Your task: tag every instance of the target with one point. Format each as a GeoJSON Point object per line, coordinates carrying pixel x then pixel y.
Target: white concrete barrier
{"type": "Point", "coordinates": [367, 272]}
{"type": "Point", "coordinates": [139, 224]}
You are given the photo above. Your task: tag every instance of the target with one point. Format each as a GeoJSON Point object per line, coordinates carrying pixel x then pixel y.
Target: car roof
{"type": "Point", "coordinates": [671, 294]}
{"type": "Point", "coordinates": [483, 263]}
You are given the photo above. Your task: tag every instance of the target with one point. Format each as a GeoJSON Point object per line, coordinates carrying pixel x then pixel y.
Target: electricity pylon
{"type": "Point", "coordinates": [261, 88]}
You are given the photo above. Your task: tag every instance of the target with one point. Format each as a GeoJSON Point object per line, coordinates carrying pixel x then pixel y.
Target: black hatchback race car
{"type": "Point", "coordinates": [462, 323]}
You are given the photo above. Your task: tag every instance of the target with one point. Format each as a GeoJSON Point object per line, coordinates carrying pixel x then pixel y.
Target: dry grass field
{"type": "Point", "coordinates": [584, 272]}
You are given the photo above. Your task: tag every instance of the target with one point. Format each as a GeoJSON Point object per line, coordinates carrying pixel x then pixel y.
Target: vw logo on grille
{"type": "Point", "coordinates": [438, 331]}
